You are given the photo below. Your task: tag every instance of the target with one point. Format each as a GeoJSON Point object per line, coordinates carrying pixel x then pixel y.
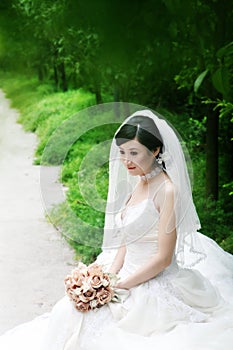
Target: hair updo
{"type": "Point", "coordinates": [143, 129]}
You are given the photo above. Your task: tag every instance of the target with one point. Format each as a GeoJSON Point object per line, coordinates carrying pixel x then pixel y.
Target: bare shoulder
{"type": "Point", "coordinates": [165, 192]}
{"type": "Point", "coordinates": [167, 185]}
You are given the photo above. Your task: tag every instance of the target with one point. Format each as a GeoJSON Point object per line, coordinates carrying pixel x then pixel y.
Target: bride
{"type": "Point", "coordinates": [176, 284]}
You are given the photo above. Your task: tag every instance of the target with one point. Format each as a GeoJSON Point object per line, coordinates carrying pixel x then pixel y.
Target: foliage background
{"type": "Point", "coordinates": [58, 57]}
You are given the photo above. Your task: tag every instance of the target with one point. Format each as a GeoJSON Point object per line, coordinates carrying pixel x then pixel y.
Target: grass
{"type": "Point", "coordinates": [71, 136]}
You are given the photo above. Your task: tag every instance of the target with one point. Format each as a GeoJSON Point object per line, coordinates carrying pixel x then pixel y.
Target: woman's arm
{"type": "Point", "coordinates": [166, 243]}
{"type": "Point", "coordinates": [118, 260]}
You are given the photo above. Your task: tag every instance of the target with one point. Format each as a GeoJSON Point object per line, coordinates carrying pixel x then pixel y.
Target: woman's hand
{"type": "Point", "coordinates": [121, 285]}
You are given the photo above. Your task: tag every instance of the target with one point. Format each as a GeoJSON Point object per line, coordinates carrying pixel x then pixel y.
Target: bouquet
{"type": "Point", "coordinates": [89, 287]}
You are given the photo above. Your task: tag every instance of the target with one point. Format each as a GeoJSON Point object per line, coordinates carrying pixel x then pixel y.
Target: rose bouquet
{"type": "Point", "coordinates": [89, 287]}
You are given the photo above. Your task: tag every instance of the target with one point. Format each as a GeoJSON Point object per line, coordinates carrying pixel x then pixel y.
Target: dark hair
{"type": "Point", "coordinates": [143, 129]}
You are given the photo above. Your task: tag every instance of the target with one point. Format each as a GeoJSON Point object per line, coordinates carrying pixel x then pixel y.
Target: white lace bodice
{"type": "Point", "coordinates": [138, 225]}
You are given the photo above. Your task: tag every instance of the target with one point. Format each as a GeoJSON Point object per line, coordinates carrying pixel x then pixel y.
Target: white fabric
{"type": "Point", "coordinates": [179, 309]}
{"type": "Point", "coordinates": [189, 250]}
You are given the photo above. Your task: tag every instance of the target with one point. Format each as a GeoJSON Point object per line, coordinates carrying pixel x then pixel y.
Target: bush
{"type": "Point", "coordinates": [44, 111]}
{"type": "Point", "coordinates": [86, 241]}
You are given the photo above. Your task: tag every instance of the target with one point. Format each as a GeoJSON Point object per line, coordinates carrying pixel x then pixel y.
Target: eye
{"type": "Point", "coordinates": [133, 153]}
{"type": "Point", "coordinates": [122, 152]}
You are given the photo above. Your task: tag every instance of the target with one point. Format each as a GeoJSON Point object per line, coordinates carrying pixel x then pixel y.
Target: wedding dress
{"type": "Point", "coordinates": [178, 309]}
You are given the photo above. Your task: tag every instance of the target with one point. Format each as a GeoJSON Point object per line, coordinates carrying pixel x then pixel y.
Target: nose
{"type": "Point", "coordinates": [127, 161]}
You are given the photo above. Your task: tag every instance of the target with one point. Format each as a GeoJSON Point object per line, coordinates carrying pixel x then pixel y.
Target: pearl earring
{"type": "Point", "coordinates": [159, 159]}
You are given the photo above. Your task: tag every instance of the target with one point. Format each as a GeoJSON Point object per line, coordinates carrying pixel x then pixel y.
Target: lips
{"type": "Point", "coordinates": [131, 168]}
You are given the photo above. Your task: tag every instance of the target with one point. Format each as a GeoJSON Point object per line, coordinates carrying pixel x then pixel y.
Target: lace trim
{"type": "Point", "coordinates": [171, 300]}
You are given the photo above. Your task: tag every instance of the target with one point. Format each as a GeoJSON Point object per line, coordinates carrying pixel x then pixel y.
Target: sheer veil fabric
{"type": "Point", "coordinates": [189, 250]}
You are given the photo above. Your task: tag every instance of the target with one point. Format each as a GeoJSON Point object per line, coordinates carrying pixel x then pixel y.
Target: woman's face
{"type": "Point", "coordinates": [136, 157]}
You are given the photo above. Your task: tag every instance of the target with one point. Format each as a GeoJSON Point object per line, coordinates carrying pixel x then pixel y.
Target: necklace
{"type": "Point", "coordinates": [153, 173]}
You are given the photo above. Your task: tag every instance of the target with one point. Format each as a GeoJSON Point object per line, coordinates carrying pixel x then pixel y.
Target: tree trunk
{"type": "Point", "coordinates": [40, 73]}
{"type": "Point", "coordinates": [212, 154]}
{"type": "Point", "coordinates": [55, 75]}
{"type": "Point", "coordinates": [98, 96]}
{"type": "Point", "coordinates": [63, 76]}
{"type": "Point", "coordinates": [116, 99]}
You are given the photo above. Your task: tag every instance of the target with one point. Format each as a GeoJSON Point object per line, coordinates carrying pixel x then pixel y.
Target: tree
{"type": "Point", "coordinates": [205, 27]}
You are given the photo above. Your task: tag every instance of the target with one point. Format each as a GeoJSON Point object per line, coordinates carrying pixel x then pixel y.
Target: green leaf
{"type": "Point", "coordinates": [221, 81]}
{"type": "Point", "coordinates": [225, 50]}
{"type": "Point", "coordinates": [199, 80]}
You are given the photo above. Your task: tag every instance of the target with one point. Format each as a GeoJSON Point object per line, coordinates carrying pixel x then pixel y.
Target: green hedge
{"type": "Point", "coordinates": [42, 111]}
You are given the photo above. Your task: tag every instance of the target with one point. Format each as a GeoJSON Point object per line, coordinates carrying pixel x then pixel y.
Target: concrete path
{"type": "Point", "coordinates": [33, 257]}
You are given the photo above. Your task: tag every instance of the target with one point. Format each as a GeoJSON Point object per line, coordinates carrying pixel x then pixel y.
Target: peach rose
{"type": "Point", "coordinates": [94, 266]}
{"type": "Point", "coordinates": [70, 293]}
{"type": "Point", "coordinates": [88, 295]}
{"type": "Point", "coordinates": [78, 280]}
{"type": "Point", "coordinates": [95, 281]}
{"type": "Point", "coordinates": [83, 307]}
{"type": "Point", "coordinates": [81, 269]}
{"type": "Point", "coordinates": [68, 281]}
{"type": "Point", "coordinates": [106, 280]}
{"type": "Point", "coordinates": [95, 269]}
{"type": "Point", "coordinates": [104, 295]}
{"type": "Point", "coordinates": [76, 299]}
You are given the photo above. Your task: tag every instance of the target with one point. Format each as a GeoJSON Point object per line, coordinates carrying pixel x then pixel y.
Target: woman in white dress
{"type": "Point", "coordinates": [176, 284]}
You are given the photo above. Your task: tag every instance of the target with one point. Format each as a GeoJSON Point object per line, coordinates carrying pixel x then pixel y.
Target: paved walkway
{"type": "Point", "coordinates": [33, 257]}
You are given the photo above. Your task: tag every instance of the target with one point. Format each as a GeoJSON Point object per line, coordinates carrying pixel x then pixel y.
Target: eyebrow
{"type": "Point", "coordinates": [129, 148]}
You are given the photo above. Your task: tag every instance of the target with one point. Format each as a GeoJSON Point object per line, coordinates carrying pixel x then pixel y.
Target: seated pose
{"type": "Point", "coordinates": [176, 283]}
